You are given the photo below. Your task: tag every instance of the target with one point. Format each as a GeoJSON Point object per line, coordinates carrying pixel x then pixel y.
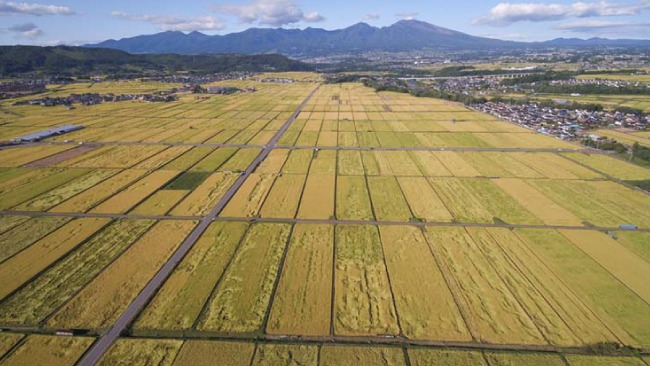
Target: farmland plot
{"type": "Point", "coordinates": [277, 354]}
{"type": "Point", "coordinates": [123, 201]}
{"type": "Point", "coordinates": [240, 160]}
{"type": "Point", "coordinates": [600, 203]}
{"type": "Point", "coordinates": [21, 156]}
{"type": "Point", "coordinates": [636, 242]}
{"type": "Point", "coordinates": [100, 303]}
{"type": "Point", "coordinates": [516, 168]}
{"type": "Point", "coordinates": [430, 165]}
{"type": "Point", "coordinates": [428, 357]}
{"type": "Point", "coordinates": [178, 303]}
{"type": "Point", "coordinates": [502, 206]}
{"type": "Point", "coordinates": [540, 305]}
{"type": "Point", "coordinates": [248, 200]}
{"type": "Point", "coordinates": [619, 308]}
{"type": "Point", "coordinates": [528, 359]}
{"type": "Point", "coordinates": [66, 191]}
{"type": "Point", "coordinates": [188, 159]}
{"type": "Point", "coordinates": [343, 355]}
{"type": "Point", "coordinates": [324, 162]}
{"type": "Point", "coordinates": [460, 201]}
{"type": "Point", "coordinates": [302, 302]}
{"type": "Point", "coordinates": [492, 312]}
{"type": "Point", "coordinates": [141, 352]}
{"type": "Point", "coordinates": [579, 360]}
{"type": "Point", "coordinates": [614, 167]}
{"type": "Point", "coordinates": [273, 162]}
{"type": "Point", "coordinates": [120, 157]}
{"type": "Point", "coordinates": [159, 203]}
{"type": "Point", "coordinates": [349, 163]}
{"type": "Point", "coordinates": [7, 341]}
{"type": "Point", "coordinates": [423, 200]}
{"type": "Point", "coordinates": [425, 305]}
{"type": "Point", "coordinates": [545, 164]}
{"type": "Point", "coordinates": [20, 268]}
{"type": "Point", "coordinates": [352, 199]}
{"type": "Point", "coordinates": [388, 202]}
{"type": "Point", "coordinates": [318, 197]}
{"type": "Point", "coordinates": [622, 263]}
{"type": "Point", "coordinates": [34, 302]}
{"type": "Point", "coordinates": [583, 323]}
{"type": "Point", "coordinates": [49, 350]}
{"type": "Point", "coordinates": [13, 197]}
{"type": "Point", "coordinates": [487, 167]}
{"type": "Point", "coordinates": [298, 162]}
{"type": "Point", "coordinates": [205, 353]}
{"type": "Point", "coordinates": [205, 197]}
{"type": "Point", "coordinates": [214, 160]}
{"type": "Point", "coordinates": [88, 199]}
{"type": "Point", "coordinates": [283, 199]}
{"type": "Point", "coordinates": [241, 301]}
{"type": "Point", "coordinates": [455, 164]}
{"type": "Point", "coordinates": [537, 203]}
{"type": "Point", "coordinates": [363, 299]}
{"type": "Point", "coordinates": [24, 235]}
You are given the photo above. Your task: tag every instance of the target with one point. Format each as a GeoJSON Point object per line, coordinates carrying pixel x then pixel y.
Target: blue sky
{"type": "Point", "coordinates": [49, 22]}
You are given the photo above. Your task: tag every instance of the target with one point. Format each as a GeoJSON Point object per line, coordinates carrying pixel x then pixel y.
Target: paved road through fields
{"type": "Point", "coordinates": [100, 347]}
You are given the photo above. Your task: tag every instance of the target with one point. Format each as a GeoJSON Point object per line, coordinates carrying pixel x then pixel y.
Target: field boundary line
{"type": "Point", "coordinates": [318, 221]}
{"type": "Point", "coordinates": [608, 270]}
{"type": "Point", "coordinates": [378, 341]}
{"type": "Point", "coordinates": [98, 215]}
{"type": "Point", "coordinates": [276, 282]}
{"type": "Point", "coordinates": [55, 262]}
{"type": "Point", "coordinates": [609, 177]}
{"type": "Point", "coordinates": [217, 284]}
{"type": "Point", "coordinates": [576, 292]}
{"type": "Point", "coordinates": [507, 285]}
{"type": "Point", "coordinates": [459, 299]}
{"type": "Point", "coordinates": [99, 348]}
{"type": "Point", "coordinates": [422, 224]}
{"type": "Point", "coordinates": [44, 321]}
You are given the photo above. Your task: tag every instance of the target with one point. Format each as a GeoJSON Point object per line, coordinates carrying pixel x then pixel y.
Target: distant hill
{"type": "Point", "coordinates": [405, 35]}
{"type": "Point", "coordinates": [65, 60]}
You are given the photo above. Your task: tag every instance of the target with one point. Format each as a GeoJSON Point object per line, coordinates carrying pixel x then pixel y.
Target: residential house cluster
{"type": "Point", "coordinates": [88, 99]}
{"type": "Point", "coordinates": [568, 124]}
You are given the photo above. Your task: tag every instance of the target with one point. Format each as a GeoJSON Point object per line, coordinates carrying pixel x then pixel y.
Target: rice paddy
{"type": "Point", "coordinates": [376, 231]}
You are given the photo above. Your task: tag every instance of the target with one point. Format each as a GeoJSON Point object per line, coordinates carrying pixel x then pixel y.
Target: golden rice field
{"type": "Point", "coordinates": [381, 229]}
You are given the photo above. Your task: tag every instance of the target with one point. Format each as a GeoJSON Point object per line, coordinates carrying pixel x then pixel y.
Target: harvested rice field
{"type": "Point", "coordinates": [380, 229]}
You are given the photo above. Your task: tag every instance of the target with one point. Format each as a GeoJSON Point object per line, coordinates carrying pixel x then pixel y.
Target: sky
{"type": "Point", "coordinates": [76, 22]}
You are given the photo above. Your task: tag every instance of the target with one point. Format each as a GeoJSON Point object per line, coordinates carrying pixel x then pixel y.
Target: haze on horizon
{"type": "Point", "coordinates": [76, 22]}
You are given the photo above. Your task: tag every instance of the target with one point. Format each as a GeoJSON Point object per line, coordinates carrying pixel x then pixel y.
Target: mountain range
{"type": "Point", "coordinates": [405, 35]}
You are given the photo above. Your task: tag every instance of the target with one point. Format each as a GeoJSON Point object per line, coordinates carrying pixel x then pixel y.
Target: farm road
{"type": "Point", "coordinates": [100, 347]}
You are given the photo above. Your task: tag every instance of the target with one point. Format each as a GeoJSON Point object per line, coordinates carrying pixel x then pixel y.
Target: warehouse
{"type": "Point", "coordinates": [38, 136]}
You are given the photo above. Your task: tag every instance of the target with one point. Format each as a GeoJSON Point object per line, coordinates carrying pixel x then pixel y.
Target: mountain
{"type": "Point", "coordinates": [65, 60]}
{"type": "Point", "coordinates": [405, 35]}
{"type": "Point", "coordinates": [596, 42]}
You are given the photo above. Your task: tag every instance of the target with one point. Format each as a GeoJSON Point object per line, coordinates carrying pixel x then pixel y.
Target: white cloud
{"type": "Point", "coordinates": [507, 13]}
{"type": "Point", "coordinates": [407, 16]}
{"type": "Point", "coordinates": [596, 26]}
{"type": "Point", "coordinates": [269, 12]}
{"type": "Point", "coordinates": [171, 23]}
{"type": "Point", "coordinates": [27, 30]}
{"type": "Point", "coordinates": [12, 8]}
{"type": "Point", "coordinates": [508, 36]}
{"type": "Point", "coordinates": [372, 16]}
{"type": "Point", "coordinates": [313, 17]}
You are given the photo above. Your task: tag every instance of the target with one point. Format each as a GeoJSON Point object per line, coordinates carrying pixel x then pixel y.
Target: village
{"type": "Point", "coordinates": [567, 124]}
{"type": "Point", "coordinates": [88, 99]}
